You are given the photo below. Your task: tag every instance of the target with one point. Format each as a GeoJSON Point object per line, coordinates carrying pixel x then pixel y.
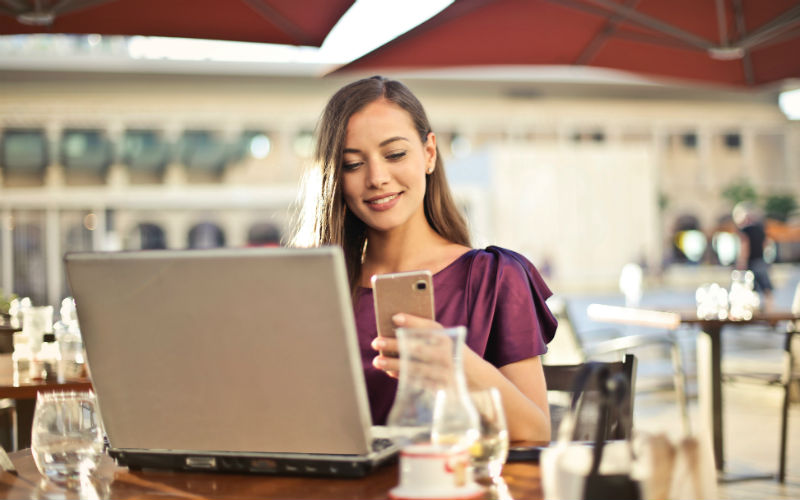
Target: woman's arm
{"type": "Point", "coordinates": [521, 384]}
{"type": "Point", "coordinates": [524, 393]}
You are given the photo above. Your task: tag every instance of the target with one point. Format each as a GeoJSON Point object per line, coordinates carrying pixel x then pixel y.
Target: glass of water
{"type": "Point", "coordinates": [67, 436]}
{"type": "Point", "coordinates": [491, 450]}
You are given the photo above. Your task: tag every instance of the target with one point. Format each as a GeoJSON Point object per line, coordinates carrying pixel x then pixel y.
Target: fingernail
{"type": "Point", "coordinates": [378, 343]}
{"type": "Point", "coordinates": [379, 363]}
{"type": "Point", "coordinates": [399, 319]}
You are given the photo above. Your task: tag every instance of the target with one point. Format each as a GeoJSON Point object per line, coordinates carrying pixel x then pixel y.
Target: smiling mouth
{"type": "Point", "coordinates": [385, 199]}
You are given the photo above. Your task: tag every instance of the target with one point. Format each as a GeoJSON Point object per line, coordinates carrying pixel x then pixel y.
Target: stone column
{"type": "Point", "coordinates": [54, 175]}
{"type": "Point", "coordinates": [118, 175]}
{"type": "Point", "coordinates": [175, 171]}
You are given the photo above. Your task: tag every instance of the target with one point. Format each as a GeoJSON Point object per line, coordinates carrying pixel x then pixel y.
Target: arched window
{"type": "Point", "coordinates": [264, 234]}
{"type": "Point", "coordinates": [689, 243]}
{"type": "Point", "coordinates": [147, 236]}
{"type": "Point", "coordinates": [206, 235]}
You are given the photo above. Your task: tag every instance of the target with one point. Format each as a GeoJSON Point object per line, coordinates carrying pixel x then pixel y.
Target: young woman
{"type": "Point", "coordinates": [381, 194]}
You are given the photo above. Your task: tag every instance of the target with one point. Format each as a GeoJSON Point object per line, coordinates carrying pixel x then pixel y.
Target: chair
{"type": "Point", "coordinates": [568, 347]}
{"type": "Point", "coordinates": [787, 378]}
{"type": "Point", "coordinates": [561, 378]}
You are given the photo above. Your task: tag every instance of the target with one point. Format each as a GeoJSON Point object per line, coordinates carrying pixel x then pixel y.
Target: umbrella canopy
{"type": "Point", "coordinates": [290, 22]}
{"type": "Point", "coordinates": [734, 42]}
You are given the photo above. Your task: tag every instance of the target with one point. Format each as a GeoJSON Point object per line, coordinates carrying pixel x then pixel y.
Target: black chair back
{"type": "Point", "coordinates": [562, 378]}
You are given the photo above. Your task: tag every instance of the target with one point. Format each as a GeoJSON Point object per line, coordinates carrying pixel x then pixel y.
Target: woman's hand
{"type": "Point", "coordinates": [521, 383]}
{"type": "Point", "coordinates": [387, 359]}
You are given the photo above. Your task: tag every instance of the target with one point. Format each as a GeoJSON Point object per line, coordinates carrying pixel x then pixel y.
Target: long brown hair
{"type": "Point", "coordinates": [324, 218]}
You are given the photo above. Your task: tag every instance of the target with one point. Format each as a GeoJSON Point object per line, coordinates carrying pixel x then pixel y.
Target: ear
{"type": "Point", "coordinates": [430, 152]}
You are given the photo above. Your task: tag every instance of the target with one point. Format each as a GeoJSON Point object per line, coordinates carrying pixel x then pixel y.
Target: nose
{"type": "Point", "coordinates": [377, 174]}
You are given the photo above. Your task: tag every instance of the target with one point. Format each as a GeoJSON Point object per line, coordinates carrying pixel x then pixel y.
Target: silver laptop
{"type": "Point", "coordinates": [232, 360]}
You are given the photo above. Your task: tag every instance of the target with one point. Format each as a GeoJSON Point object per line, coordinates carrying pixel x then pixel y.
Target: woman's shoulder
{"type": "Point", "coordinates": [503, 265]}
{"type": "Point", "coordinates": [499, 257]}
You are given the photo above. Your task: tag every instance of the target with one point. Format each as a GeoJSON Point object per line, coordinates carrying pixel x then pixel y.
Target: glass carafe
{"type": "Point", "coordinates": [432, 402]}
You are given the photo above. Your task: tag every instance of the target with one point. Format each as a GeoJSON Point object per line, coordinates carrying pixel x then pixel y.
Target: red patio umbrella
{"type": "Point", "coordinates": [735, 42]}
{"type": "Point", "coordinates": [292, 22]}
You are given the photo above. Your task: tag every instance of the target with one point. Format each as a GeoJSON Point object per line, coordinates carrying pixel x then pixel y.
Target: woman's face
{"type": "Point", "coordinates": [384, 167]}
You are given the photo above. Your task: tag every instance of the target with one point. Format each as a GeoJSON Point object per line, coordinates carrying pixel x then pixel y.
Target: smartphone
{"type": "Point", "coordinates": [409, 292]}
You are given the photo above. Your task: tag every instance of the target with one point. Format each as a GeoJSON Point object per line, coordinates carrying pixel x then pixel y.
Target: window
{"type": "Point", "coordinates": [206, 235]}
{"type": "Point", "coordinates": [589, 135]}
{"type": "Point", "coordinates": [252, 144]}
{"type": "Point", "coordinates": [145, 151]}
{"type": "Point", "coordinates": [86, 151]}
{"type": "Point", "coordinates": [203, 151]}
{"type": "Point", "coordinates": [726, 247]}
{"type": "Point", "coordinates": [24, 151]}
{"type": "Point", "coordinates": [263, 234]}
{"type": "Point", "coordinates": [732, 141]}
{"type": "Point", "coordinates": [147, 236]}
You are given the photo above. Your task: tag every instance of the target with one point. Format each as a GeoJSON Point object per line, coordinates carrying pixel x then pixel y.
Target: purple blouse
{"type": "Point", "coordinates": [496, 293]}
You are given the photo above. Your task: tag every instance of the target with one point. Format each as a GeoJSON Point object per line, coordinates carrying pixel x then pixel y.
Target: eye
{"type": "Point", "coordinates": [399, 155]}
{"type": "Point", "coordinates": [350, 166]}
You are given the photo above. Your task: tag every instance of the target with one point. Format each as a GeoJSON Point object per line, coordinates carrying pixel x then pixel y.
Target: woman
{"type": "Point", "coordinates": [382, 195]}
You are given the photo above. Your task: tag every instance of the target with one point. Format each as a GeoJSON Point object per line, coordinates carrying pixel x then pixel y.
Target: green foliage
{"type": "Point", "coordinates": [739, 191]}
{"type": "Point", "coordinates": [5, 301]}
{"type": "Point", "coordinates": [780, 206]}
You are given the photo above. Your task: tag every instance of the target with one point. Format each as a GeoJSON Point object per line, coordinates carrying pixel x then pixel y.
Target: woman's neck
{"type": "Point", "coordinates": [407, 249]}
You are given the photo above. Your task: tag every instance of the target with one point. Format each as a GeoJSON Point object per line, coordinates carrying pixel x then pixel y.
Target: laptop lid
{"type": "Point", "coordinates": [232, 350]}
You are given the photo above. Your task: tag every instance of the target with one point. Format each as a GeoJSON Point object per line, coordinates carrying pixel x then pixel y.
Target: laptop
{"type": "Point", "coordinates": [237, 360]}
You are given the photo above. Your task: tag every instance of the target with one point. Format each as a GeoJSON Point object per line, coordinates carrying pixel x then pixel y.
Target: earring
{"type": "Point", "coordinates": [430, 170]}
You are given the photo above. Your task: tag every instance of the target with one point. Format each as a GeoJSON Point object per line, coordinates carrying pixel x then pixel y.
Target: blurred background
{"type": "Point", "coordinates": [112, 142]}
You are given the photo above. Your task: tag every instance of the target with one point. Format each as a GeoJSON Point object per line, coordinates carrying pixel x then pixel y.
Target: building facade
{"type": "Point", "coordinates": [582, 179]}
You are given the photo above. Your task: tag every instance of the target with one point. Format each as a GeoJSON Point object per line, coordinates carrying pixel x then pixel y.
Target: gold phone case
{"type": "Point", "coordinates": [408, 292]}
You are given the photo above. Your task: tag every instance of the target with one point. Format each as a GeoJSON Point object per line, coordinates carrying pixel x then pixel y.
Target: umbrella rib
{"type": "Point", "coordinates": [787, 20]}
{"type": "Point", "coordinates": [654, 24]}
{"type": "Point", "coordinates": [675, 42]}
{"type": "Point", "coordinates": [14, 4]}
{"type": "Point", "coordinates": [747, 63]}
{"type": "Point", "coordinates": [279, 20]}
{"type": "Point", "coordinates": [654, 40]}
{"type": "Point", "coordinates": [594, 45]}
{"type": "Point", "coordinates": [66, 6]}
{"type": "Point", "coordinates": [722, 25]}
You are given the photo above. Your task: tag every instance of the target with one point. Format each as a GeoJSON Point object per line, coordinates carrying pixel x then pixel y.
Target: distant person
{"type": "Point", "coordinates": [753, 239]}
{"type": "Point", "coordinates": [382, 195]}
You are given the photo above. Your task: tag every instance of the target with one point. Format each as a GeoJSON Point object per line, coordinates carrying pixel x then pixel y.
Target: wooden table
{"type": "Point", "coordinates": [521, 480]}
{"type": "Point", "coordinates": [709, 373]}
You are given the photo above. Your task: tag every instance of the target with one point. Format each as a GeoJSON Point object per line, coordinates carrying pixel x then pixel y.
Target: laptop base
{"type": "Point", "coordinates": [326, 466]}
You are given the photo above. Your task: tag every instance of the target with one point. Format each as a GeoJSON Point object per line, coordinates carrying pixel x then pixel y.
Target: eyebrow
{"type": "Point", "coordinates": [383, 143]}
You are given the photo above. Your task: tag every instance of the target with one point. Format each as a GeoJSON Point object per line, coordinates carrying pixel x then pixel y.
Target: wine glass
{"type": "Point", "coordinates": [67, 437]}
{"type": "Point", "coordinates": [489, 453]}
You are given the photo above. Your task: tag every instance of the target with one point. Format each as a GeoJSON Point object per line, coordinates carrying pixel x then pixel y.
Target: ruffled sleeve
{"type": "Point", "coordinates": [508, 318]}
